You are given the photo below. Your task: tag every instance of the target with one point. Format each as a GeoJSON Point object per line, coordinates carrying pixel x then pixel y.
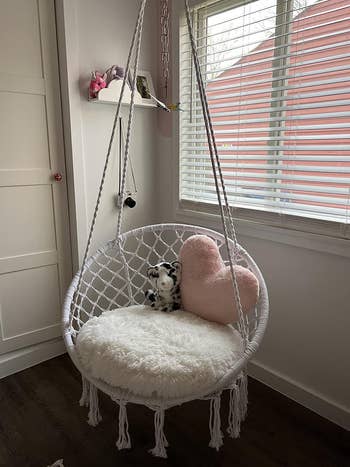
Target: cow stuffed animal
{"type": "Point", "coordinates": [165, 279]}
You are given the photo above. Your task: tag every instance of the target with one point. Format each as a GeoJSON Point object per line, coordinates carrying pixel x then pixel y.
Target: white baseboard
{"type": "Point", "coordinates": [18, 360]}
{"type": "Point", "coordinates": [329, 409]}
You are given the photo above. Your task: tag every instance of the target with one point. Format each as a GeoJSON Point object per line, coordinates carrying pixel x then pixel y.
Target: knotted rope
{"type": "Point", "coordinates": [124, 441]}
{"type": "Point", "coordinates": [136, 39]}
{"type": "Point", "coordinates": [225, 211]}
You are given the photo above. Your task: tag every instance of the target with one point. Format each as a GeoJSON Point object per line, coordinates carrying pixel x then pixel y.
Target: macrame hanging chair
{"type": "Point", "coordinates": [115, 278]}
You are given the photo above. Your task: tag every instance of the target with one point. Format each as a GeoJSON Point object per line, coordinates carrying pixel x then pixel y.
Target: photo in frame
{"type": "Point", "coordinates": [144, 87]}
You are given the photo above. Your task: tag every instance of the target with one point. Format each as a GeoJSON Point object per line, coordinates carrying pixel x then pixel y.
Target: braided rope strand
{"type": "Point", "coordinates": [214, 153]}
{"type": "Point", "coordinates": [109, 150]}
{"type": "Point", "coordinates": [130, 122]}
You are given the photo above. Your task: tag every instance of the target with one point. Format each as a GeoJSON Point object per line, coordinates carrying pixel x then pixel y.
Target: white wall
{"type": "Point", "coordinates": [95, 36]}
{"type": "Point", "coordinates": [306, 350]}
{"type": "Point", "coordinates": [307, 340]}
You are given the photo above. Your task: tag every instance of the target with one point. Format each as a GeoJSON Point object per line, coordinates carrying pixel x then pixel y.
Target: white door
{"type": "Point", "coordinates": [34, 235]}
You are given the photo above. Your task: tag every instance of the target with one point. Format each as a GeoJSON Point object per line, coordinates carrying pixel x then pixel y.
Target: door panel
{"type": "Point", "coordinates": [29, 226]}
{"type": "Point", "coordinates": [20, 36]}
{"type": "Point", "coordinates": [31, 298]}
{"type": "Point", "coordinates": [35, 256]}
{"type": "Point", "coordinates": [23, 131]}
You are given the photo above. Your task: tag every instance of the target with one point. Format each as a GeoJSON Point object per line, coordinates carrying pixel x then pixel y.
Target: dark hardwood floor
{"type": "Point", "coordinates": [40, 422]}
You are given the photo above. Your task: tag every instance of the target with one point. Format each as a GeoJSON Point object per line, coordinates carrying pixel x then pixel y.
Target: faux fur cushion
{"type": "Point", "coordinates": [151, 352]}
{"type": "Point", "coordinates": [206, 287]}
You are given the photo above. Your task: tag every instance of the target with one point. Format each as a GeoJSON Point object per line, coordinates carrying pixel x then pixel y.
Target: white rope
{"type": "Point", "coordinates": [124, 441]}
{"type": "Point", "coordinates": [243, 395]}
{"type": "Point", "coordinates": [130, 118]}
{"type": "Point", "coordinates": [215, 161]}
{"type": "Point", "coordinates": [94, 412]}
{"type": "Point", "coordinates": [238, 405]}
{"type": "Point", "coordinates": [160, 439]}
{"type": "Point", "coordinates": [58, 463]}
{"type": "Point", "coordinates": [84, 400]}
{"type": "Point", "coordinates": [109, 150]}
{"type": "Point", "coordinates": [234, 415]}
{"type": "Point", "coordinates": [216, 436]}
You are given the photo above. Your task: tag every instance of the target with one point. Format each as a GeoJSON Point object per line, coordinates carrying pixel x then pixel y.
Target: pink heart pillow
{"type": "Point", "coordinates": [206, 284]}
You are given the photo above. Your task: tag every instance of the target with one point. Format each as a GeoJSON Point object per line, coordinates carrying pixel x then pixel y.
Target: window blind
{"type": "Point", "coordinates": [277, 76]}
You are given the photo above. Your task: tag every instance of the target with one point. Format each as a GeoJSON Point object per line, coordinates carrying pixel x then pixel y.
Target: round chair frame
{"type": "Point", "coordinates": [115, 276]}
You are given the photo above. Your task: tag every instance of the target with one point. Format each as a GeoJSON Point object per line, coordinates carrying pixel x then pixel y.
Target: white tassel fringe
{"type": "Point", "coordinates": [216, 436]}
{"type": "Point", "coordinates": [161, 441]}
{"type": "Point", "coordinates": [124, 441]}
{"type": "Point", "coordinates": [94, 412]}
{"type": "Point", "coordinates": [234, 415]}
{"type": "Point", "coordinates": [238, 405]}
{"type": "Point", "coordinates": [58, 463]}
{"type": "Point", "coordinates": [243, 395]}
{"type": "Point", "coordinates": [84, 400]}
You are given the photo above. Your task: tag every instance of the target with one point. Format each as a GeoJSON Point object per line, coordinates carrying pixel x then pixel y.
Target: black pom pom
{"type": "Point", "coordinates": [130, 202]}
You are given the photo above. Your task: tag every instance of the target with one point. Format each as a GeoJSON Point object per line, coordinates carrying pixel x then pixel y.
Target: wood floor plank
{"type": "Point", "coordinates": [41, 421]}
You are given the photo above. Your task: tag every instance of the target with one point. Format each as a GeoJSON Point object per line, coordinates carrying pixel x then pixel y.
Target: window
{"type": "Point", "coordinates": [277, 75]}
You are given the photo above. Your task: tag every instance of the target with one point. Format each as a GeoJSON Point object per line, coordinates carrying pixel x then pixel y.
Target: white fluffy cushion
{"type": "Point", "coordinates": [152, 353]}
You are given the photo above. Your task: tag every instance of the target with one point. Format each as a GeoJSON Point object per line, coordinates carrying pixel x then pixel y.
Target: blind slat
{"type": "Point", "coordinates": [271, 147]}
{"type": "Point", "coordinates": [290, 108]}
{"type": "Point", "coordinates": [198, 181]}
{"type": "Point", "coordinates": [296, 177]}
{"type": "Point", "coordinates": [271, 194]}
{"type": "Point", "coordinates": [297, 168]}
{"type": "Point", "coordinates": [290, 97]}
{"type": "Point", "coordinates": [281, 157]}
{"type": "Point", "coordinates": [187, 130]}
{"type": "Point", "coordinates": [252, 202]}
{"type": "Point", "coordinates": [295, 75]}
{"type": "Point", "coordinates": [293, 118]}
{"type": "Point", "coordinates": [258, 138]}
{"type": "Point", "coordinates": [260, 91]}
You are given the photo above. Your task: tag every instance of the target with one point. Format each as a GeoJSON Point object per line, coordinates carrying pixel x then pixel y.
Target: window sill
{"type": "Point", "coordinates": [326, 237]}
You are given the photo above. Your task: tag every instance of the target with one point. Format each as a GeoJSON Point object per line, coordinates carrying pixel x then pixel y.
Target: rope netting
{"type": "Point", "coordinates": [116, 276]}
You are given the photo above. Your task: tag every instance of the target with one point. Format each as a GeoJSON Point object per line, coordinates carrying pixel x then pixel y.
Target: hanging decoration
{"type": "Point", "coordinates": [165, 58]}
{"type": "Point", "coordinates": [128, 198]}
{"type": "Point", "coordinates": [164, 45]}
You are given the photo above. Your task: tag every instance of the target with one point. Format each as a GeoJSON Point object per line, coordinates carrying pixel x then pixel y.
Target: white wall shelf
{"type": "Point", "coordinates": [110, 95]}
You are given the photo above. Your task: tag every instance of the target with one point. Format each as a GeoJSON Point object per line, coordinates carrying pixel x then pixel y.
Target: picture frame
{"type": "Point", "coordinates": [145, 88]}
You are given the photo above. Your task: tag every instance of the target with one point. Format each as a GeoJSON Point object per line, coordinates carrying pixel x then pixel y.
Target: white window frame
{"type": "Point", "coordinates": [302, 231]}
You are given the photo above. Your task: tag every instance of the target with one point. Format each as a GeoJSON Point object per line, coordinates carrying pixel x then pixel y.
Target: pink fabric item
{"type": "Point", "coordinates": [98, 82]}
{"type": "Point", "coordinates": [206, 284]}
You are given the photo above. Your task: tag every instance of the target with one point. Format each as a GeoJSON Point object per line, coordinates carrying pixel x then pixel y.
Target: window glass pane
{"type": "Point", "coordinates": [277, 75]}
{"type": "Point", "coordinates": [228, 33]}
